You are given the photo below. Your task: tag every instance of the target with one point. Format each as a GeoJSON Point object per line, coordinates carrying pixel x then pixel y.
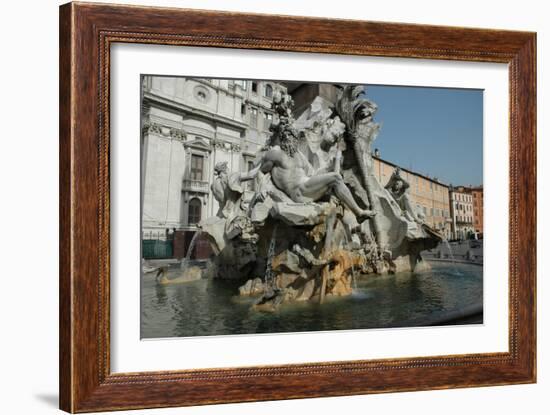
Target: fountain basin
{"type": "Point", "coordinates": [212, 307]}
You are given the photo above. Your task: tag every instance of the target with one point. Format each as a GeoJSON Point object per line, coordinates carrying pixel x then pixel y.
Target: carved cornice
{"type": "Point", "coordinates": [225, 145]}
{"type": "Point", "coordinates": [154, 98]}
{"type": "Point", "coordinates": [180, 134]}
{"type": "Point", "coordinates": [164, 131]}
{"type": "Point", "coordinates": [218, 144]}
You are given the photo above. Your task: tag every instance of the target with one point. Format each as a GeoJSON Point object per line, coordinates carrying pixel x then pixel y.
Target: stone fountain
{"type": "Point", "coordinates": [317, 213]}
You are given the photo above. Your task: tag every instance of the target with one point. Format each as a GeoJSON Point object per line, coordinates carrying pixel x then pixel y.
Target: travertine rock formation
{"type": "Point", "coordinates": [318, 214]}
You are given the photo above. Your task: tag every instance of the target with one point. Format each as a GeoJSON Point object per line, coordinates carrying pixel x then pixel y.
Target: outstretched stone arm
{"type": "Point", "coordinates": [251, 174]}
{"type": "Point", "coordinates": [397, 176]}
{"type": "Point", "coordinates": [308, 256]}
{"type": "Point", "coordinates": [218, 190]}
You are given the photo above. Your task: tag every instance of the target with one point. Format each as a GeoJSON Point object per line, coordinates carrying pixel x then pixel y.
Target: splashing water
{"type": "Point", "coordinates": [355, 293]}
{"type": "Point", "coordinates": [269, 280]}
{"type": "Point", "coordinates": [185, 261]}
{"type": "Point", "coordinates": [353, 281]}
{"type": "Point", "coordinates": [448, 246]}
{"type": "Point", "coordinates": [454, 272]}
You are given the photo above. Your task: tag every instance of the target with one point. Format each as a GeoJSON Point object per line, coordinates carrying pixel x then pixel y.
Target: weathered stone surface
{"type": "Point", "coordinates": [240, 226]}
{"type": "Point", "coordinates": [272, 303]}
{"type": "Point", "coordinates": [252, 287]}
{"type": "Point", "coordinates": [260, 211]}
{"type": "Point", "coordinates": [269, 303]}
{"type": "Point", "coordinates": [285, 280]}
{"type": "Point", "coordinates": [210, 270]}
{"type": "Point", "coordinates": [308, 256]}
{"type": "Point", "coordinates": [298, 214]}
{"type": "Point", "coordinates": [315, 115]}
{"type": "Point", "coordinates": [237, 261]}
{"type": "Point", "coordinates": [307, 291]}
{"type": "Point", "coordinates": [318, 232]}
{"type": "Point", "coordinates": [214, 228]}
{"type": "Point", "coordinates": [341, 287]}
{"type": "Point", "coordinates": [286, 261]}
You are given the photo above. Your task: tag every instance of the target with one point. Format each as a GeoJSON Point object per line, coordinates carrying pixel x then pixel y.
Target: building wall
{"type": "Point", "coordinates": [477, 194]}
{"type": "Point", "coordinates": [430, 197]}
{"type": "Point", "coordinates": [217, 120]}
{"type": "Point", "coordinates": [462, 211]}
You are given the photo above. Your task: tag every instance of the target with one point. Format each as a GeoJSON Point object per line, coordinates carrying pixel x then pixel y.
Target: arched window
{"type": "Point", "coordinates": [194, 211]}
{"type": "Point", "coordinates": [268, 91]}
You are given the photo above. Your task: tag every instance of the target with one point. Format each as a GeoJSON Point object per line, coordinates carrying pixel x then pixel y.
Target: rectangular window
{"type": "Point", "coordinates": [254, 118]}
{"type": "Point", "coordinates": [242, 84]}
{"type": "Point", "coordinates": [243, 109]}
{"type": "Point", "coordinates": [255, 87]}
{"type": "Point", "coordinates": [268, 120]}
{"type": "Point", "coordinates": [197, 166]}
{"type": "Point", "coordinates": [194, 211]}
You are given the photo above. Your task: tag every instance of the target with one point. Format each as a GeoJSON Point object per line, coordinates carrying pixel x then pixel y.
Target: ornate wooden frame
{"type": "Point", "coordinates": [86, 33]}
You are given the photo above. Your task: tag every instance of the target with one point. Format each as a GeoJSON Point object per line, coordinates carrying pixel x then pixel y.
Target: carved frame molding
{"type": "Point", "coordinates": [86, 33]}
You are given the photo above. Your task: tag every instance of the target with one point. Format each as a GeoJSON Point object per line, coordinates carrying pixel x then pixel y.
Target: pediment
{"type": "Point", "coordinates": [199, 144]}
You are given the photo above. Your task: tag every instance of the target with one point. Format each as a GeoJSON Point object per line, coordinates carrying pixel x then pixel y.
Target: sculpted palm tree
{"type": "Point", "coordinates": [357, 112]}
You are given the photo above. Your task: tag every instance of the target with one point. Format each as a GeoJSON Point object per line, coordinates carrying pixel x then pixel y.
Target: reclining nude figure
{"type": "Point", "coordinates": [292, 174]}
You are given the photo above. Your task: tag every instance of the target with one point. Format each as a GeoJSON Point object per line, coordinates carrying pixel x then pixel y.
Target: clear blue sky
{"type": "Point", "coordinates": [434, 131]}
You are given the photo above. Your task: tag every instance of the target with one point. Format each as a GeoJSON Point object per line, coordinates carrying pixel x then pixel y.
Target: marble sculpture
{"type": "Point", "coordinates": [318, 216]}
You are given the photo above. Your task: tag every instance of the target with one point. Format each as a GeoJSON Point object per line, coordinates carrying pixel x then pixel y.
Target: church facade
{"type": "Point", "coordinates": [189, 125]}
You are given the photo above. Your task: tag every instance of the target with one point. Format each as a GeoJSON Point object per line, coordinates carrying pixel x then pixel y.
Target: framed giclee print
{"type": "Point", "coordinates": [261, 207]}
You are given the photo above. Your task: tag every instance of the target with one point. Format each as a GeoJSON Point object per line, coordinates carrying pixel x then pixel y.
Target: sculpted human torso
{"type": "Point", "coordinates": [288, 173]}
{"type": "Point", "coordinates": [292, 174]}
